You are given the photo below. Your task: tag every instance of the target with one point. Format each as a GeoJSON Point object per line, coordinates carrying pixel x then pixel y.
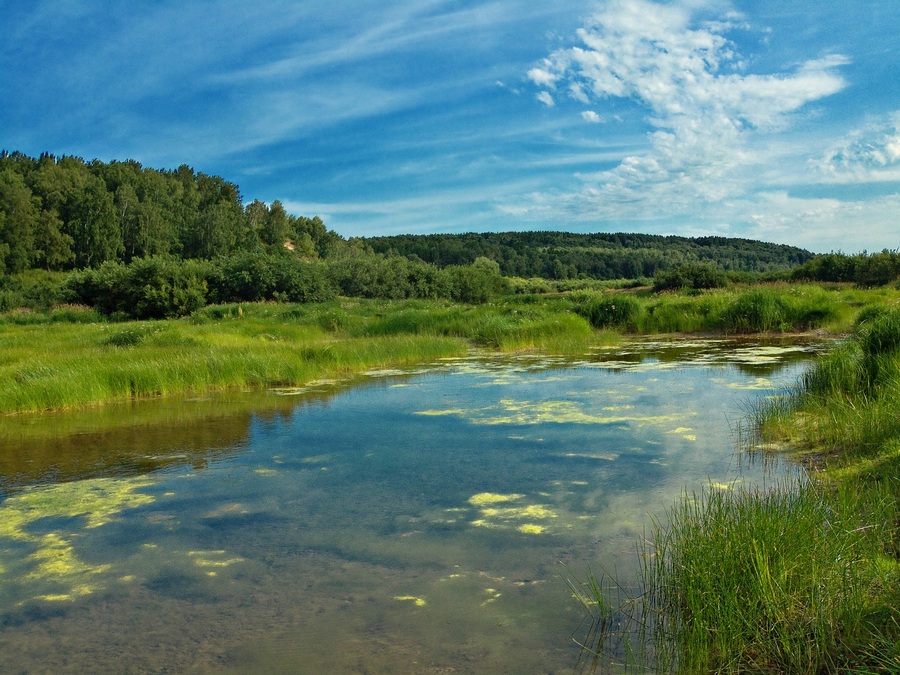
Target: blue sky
{"type": "Point", "coordinates": [766, 119]}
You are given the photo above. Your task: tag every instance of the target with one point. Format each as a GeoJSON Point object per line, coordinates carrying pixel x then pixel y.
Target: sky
{"type": "Point", "coordinates": [764, 119]}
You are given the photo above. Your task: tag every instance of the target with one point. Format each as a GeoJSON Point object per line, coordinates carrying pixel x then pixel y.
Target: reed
{"type": "Point", "coordinates": [802, 577]}
{"type": "Point", "coordinates": [794, 578]}
{"type": "Point", "coordinates": [253, 346]}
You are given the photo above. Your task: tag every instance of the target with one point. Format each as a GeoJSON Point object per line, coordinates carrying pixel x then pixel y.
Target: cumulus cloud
{"type": "Point", "coordinates": [591, 116]}
{"type": "Point", "coordinates": [708, 115]}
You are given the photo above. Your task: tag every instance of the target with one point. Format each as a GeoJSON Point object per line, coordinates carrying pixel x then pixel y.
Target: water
{"type": "Point", "coordinates": [413, 522]}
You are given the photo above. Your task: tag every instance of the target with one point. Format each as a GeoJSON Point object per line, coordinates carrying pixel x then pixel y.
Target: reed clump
{"type": "Point", "coordinates": [758, 309]}
{"type": "Point", "coordinates": [794, 578]}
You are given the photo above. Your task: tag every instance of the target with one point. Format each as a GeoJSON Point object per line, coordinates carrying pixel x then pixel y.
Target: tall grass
{"type": "Point", "coordinates": [760, 309]}
{"type": "Point", "coordinates": [254, 346]}
{"type": "Point", "coordinates": [84, 360]}
{"type": "Point", "coordinates": [797, 577]}
{"type": "Point", "coordinates": [792, 579]}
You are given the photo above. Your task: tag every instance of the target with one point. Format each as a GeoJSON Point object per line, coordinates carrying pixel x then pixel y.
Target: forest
{"type": "Point", "coordinates": [564, 255]}
{"type": "Point", "coordinates": [149, 243]}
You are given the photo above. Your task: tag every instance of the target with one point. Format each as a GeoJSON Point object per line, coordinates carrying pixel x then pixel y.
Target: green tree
{"type": "Point", "coordinates": [18, 222]}
{"type": "Point", "coordinates": [93, 225]}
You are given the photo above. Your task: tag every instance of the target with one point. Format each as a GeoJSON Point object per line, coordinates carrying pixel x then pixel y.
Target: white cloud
{"type": "Point", "coordinates": [868, 154]}
{"type": "Point", "coordinates": [711, 118]}
{"type": "Point", "coordinates": [816, 224]}
{"type": "Point", "coordinates": [545, 98]}
{"type": "Point", "coordinates": [591, 116]}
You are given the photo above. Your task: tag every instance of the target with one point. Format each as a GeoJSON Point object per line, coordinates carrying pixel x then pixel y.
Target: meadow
{"type": "Point", "coordinates": [68, 357]}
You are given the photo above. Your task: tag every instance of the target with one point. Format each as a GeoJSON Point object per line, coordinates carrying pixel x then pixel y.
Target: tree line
{"type": "Point", "coordinates": [65, 213]}
{"type": "Point", "coordinates": [564, 255]}
{"type": "Point", "coordinates": [143, 242]}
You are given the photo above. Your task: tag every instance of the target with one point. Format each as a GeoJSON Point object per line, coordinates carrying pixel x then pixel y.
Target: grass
{"type": "Point", "coordinates": [776, 307]}
{"type": "Point", "coordinates": [88, 360]}
{"type": "Point", "coordinates": [799, 577]}
{"type": "Point", "coordinates": [81, 363]}
{"type": "Point", "coordinates": [794, 579]}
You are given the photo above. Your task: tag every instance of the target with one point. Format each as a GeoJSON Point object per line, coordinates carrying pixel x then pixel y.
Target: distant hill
{"type": "Point", "coordinates": [564, 255]}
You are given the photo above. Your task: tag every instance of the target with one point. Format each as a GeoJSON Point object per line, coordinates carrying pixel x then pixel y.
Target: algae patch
{"type": "Point", "coordinates": [53, 563]}
{"type": "Point", "coordinates": [510, 517]}
{"type": "Point", "coordinates": [417, 601]}
{"type": "Point", "coordinates": [511, 411]}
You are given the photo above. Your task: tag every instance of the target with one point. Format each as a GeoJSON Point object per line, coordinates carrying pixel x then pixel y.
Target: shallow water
{"type": "Point", "coordinates": [411, 522]}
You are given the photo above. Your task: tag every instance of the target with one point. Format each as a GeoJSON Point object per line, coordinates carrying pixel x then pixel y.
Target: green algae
{"type": "Point", "coordinates": [514, 412]}
{"type": "Point", "coordinates": [54, 561]}
{"type": "Point", "coordinates": [518, 518]}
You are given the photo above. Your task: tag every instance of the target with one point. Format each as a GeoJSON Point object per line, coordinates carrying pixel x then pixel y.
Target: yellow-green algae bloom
{"type": "Point", "coordinates": [484, 498]}
{"type": "Point", "coordinates": [509, 517]}
{"type": "Point", "coordinates": [417, 601]}
{"type": "Point", "coordinates": [98, 501]}
{"type": "Point", "coordinates": [510, 411]}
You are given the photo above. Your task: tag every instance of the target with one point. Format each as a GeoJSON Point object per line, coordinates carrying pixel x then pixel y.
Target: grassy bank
{"type": "Point", "coordinates": [69, 357]}
{"type": "Point", "coordinates": [805, 577]}
{"type": "Point", "coordinates": [778, 307]}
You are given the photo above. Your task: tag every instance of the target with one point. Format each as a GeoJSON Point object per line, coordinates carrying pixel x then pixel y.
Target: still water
{"type": "Point", "coordinates": [410, 522]}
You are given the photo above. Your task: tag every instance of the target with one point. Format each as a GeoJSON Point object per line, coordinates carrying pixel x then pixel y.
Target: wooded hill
{"type": "Point", "coordinates": [563, 255]}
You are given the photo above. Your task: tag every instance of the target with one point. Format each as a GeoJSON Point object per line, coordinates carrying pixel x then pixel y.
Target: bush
{"type": "Point", "coordinates": [608, 311]}
{"type": "Point", "coordinates": [477, 283]}
{"type": "Point", "coordinates": [253, 277]}
{"type": "Point", "coordinates": [695, 275]}
{"type": "Point", "coordinates": [148, 288]}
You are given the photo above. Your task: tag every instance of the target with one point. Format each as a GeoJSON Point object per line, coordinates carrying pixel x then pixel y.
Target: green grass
{"type": "Point", "coordinates": [68, 356]}
{"type": "Point", "coordinates": [778, 307]}
{"type": "Point", "coordinates": [254, 346]}
{"type": "Point", "coordinates": [800, 577]}
{"type": "Point", "coordinates": [794, 579]}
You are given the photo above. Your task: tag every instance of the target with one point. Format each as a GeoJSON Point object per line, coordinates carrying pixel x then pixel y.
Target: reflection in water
{"type": "Point", "coordinates": [416, 524]}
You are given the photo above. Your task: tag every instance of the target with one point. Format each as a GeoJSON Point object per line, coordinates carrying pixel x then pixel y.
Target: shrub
{"type": "Point", "coordinates": [608, 311]}
{"type": "Point", "coordinates": [693, 275]}
{"type": "Point", "coordinates": [148, 288]}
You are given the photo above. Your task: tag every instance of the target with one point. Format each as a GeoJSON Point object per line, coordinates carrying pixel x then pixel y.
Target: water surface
{"type": "Point", "coordinates": [411, 522]}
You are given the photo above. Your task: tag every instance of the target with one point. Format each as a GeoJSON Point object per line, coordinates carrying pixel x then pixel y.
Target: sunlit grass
{"type": "Point", "coordinates": [68, 357]}
{"type": "Point", "coordinates": [258, 346]}
{"type": "Point", "coordinates": [793, 578]}
{"type": "Point", "coordinates": [799, 577]}
{"type": "Point", "coordinates": [766, 308]}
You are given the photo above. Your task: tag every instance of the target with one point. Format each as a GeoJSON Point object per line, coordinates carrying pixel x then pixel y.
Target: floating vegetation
{"type": "Point", "coordinates": [212, 559]}
{"type": "Point", "coordinates": [54, 560]}
{"type": "Point", "coordinates": [511, 411]}
{"type": "Point", "coordinates": [417, 601]}
{"type": "Point", "coordinates": [510, 517]}
{"type": "Point", "coordinates": [685, 433]}
{"type": "Point", "coordinates": [484, 498]}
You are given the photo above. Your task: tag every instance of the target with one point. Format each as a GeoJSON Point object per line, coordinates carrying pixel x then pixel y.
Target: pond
{"type": "Point", "coordinates": [408, 522]}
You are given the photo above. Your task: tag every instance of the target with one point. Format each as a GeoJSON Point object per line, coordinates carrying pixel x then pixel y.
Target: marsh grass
{"type": "Point", "coordinates": [794, 577]}
{"type": "Point", "coordinates": [84, 360]}
{"type": "Point", "coordinates": [254, 346]}
{"type": "Point", "coordinates": [776, 307]}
